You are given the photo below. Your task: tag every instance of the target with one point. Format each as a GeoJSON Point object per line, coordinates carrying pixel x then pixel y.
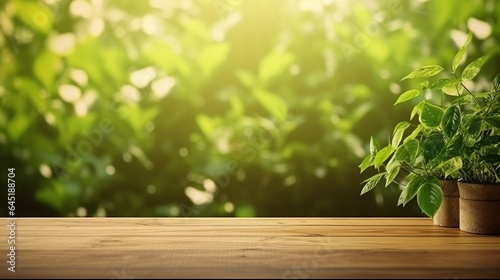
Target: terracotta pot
{"type": "Point", "coordinates": [448, 213]}
{"type": "Point", "coordinates": [479, 208]}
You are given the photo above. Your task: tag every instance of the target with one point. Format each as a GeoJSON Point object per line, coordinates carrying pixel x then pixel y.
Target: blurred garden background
{"type": "Point", "coordinates": [215, 107]}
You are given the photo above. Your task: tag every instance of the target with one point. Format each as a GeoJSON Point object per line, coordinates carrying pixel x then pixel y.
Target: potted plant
{"type": "Point", "coordinates": [473, 141]}
{"type": "Point", "coordinates": [426, 162]}
{"type": "Point", "coordinates": [479, 186]}
{"type": "Point", "coordinates": [432, 156]}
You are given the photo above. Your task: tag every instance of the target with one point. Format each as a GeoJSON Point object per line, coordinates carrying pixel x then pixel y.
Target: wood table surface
{"type": "Point", "coordinates": [135, 248]}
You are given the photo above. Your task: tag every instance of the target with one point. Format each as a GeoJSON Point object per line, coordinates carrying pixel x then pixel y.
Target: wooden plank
{"type": "Point", "coordinates": [274, 264]}
{"type": "Point", "coordinates": [93, 222]}
{"type": "Point", "coordinates": [249, 248]}
{"type": "Point", "coordinates": [76, 242]}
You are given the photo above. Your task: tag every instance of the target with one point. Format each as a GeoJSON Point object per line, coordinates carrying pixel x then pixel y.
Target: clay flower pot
{"type": "Point", "coordinates": [448, 213]}
{"type": "Point", "coordinates": [479, 208]}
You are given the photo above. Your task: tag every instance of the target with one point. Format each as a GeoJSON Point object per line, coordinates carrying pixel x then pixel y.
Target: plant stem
{"type": "Point", "coordinates": [475, 99]}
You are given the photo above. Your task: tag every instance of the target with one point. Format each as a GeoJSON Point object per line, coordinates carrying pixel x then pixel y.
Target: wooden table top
{"type": "Point", "coordinates": [134, 248]}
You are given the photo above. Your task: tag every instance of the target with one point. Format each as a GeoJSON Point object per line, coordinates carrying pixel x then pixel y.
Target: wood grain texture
{"type": "Point", "coordinates": [128, 248]}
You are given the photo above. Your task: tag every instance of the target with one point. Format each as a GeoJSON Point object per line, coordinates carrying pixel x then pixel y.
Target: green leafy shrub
{"type": "Point", "coordinates": [455, 139]}
{"type": "Point", "coordinates": [210, 107]}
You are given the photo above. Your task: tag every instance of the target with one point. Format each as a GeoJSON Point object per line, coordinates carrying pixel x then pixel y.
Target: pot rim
{"type": "Point", "coordinates": [474, 191]}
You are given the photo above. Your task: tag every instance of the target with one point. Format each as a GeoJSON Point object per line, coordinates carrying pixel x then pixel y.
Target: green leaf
{"type": "Point", "coordinates": [408, 151]}
{"type": "Point", "coordinates": [425, 71]}
{"type": "Point", "coordinates": [18, 126]}
{"type": "Point", "coordinates": [391, 176]}
{"type": "Point", "coordinates": [489, 150]}
{"type": "Point", "coordinates": [237, 109]}
{"type": "Point", "coordinates": [429, 197]}
{"type": "Point", "coordinates": [431, 115]}
{"type": "Point", "coordinates": [451, 166]}
{"type": "Point", "coordinates": [105, 67]}
{"type": "Point", "coordinates": [45, 68]}
{"type": "Point", "coordinates": [398, 133]}
{"type": "Point", "coordinates": [392, 170]}
{"type": "Point", "coordinates": [82, 58]}
{"type": "Point", "coordinates": [247, 78]}
{"type": "Point", "coordinates": [272, 103]}
{"type": "Point", "coordinates": [211, 57]}
{"type": "Point", "coordinates": [382, 156]}
{"type": "Point", "coordinates": [494, 121]}
{"type": "Point", "coordinates": [489, 140]}
{"type": "Point", "coordinates": [157, 48]}
{"type": "Point", "coordinates": [474, 67]}
{"type": "Point", "coordinates": [451, 121]}
{"type": "Point", "coordinates": [432, 146]}
{"type": "Point", "coordinates": [408, 95]}
{"type": "Point", "coordinates": [446, 164]}
{"type": "Point", "coordinates": [414, 134]}
{"type": "Point", "coordinates": [474, 126]}
{"type": "Point", "coordinates": [460, 54]}
{"type": "Point", "coordinates": [374, 146]}
{"type": "Point", "coordinates": [495, 85]}
{"type": "Point", "coordinates": [424, 84]}
{"type": "Point", "coordinates": [439, 84]}
{"type": "Point", "coordinates": [206, 124]}
{"type": "Point", "coordinates": [36, 14]}
{"type": "Point", "coordinates": [367, 161]}
{"type": "Point", "coordinates": [411, 189]}
{"type": "Point", "coordinates": [452, 87]}
{"type": "Point", "coordinates": [464, 98]}
{"type": "Point", "coordinates": [371, 182]}
{"type": "Point", "coordinates": [417, 109]}
{"type": "Point", "coordinates": [274, 64]}
{"type": "Point", "coordinates": [111, 62]}
{"type": "Point", "coordinates": [455, 145]}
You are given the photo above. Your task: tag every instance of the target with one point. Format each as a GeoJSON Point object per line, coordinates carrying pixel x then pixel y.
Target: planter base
{"type": "Point", "coordinates": [480, 208]}
{"type": "Point", "coordinates": [448, 213]}
{"type": "Point", "coordinates": [480, 216]}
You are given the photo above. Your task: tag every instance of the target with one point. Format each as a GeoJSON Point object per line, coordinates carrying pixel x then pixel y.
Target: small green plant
{"type": "Point", "coordinates": [455, 139]}
{"type": "Point", "coordinates": [480, 139]}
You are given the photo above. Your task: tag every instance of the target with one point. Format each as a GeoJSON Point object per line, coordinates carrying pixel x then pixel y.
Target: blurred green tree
{"type": "Point", "coordinates": [215, 107]}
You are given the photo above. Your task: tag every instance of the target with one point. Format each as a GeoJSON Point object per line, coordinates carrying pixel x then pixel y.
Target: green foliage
{"type": "Point", "coordinates": [429, 197]}
{"type": "Point", "coordinates": [35, 14]}
{"type": "Point", "coordinates": [427, 191]}
{"type": "Point", "coordinates": [473, 68]}
{"type": "Point", "coordinates": [273, 65]}
{"type": "Point", "coordinates": [451, 121]}
{"type": "Point", "coordinates": [432, 146]}
{"type": "Point", "coordinates": [371, 182]}
{"type": "Point", "coordinates": [426, 71]}
{"type": "Point", "coordinates": [45, 68]}
{"type": "Point", "coordinates": [399, 129]}
{"type": "Point", "coordinates": [258, 108]}
{"type": "Point", "coordinates": [453, 140]}
{"type": "Point", "coordinates": [393, 168]}
{"type": "Point", "coordinates": [407, 152]}
{"type": "Point", "coordinates": [382, 156]}
{"type": "Point", "coordinates": [273, 104]}
{"type": "Point", "coordinates": [431, 115]}
{"type": "Point", "coordinates": [408, 95]}
{"type": "Point", "coordinates": [495, 85]}
{"type": "Point", "coordinates": [461, 52]}
{"type": "Point", "coordinates": [411, 189]}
